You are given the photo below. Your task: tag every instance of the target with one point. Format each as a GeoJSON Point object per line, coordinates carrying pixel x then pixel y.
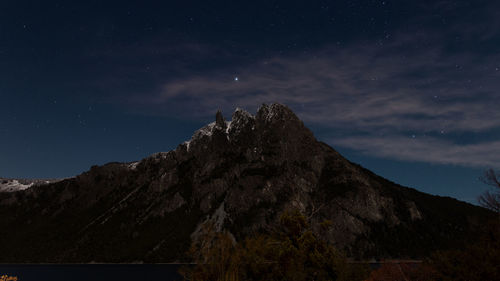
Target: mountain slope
{"type": "Point", "coordinates": [239, 175]}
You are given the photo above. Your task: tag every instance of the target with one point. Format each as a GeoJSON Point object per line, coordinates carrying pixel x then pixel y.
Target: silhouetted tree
{"type": "Point", "coordinates": [491, 200]}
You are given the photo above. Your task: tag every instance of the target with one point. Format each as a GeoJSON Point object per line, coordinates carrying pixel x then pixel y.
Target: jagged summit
{"type": "Point", "coordinates": [276, 119]}
{"type": "Point", "coordinates": [240, 175]}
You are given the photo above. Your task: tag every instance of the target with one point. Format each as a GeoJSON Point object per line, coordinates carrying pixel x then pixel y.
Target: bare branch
{"type": "Point", "coordinates": [491, 200]}
{"type": "Point", "coordinates": [491, 178]}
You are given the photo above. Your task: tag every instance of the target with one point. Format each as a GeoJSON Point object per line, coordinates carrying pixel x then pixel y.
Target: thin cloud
{"type": "Point", "coordinates": [365, 90]}
{"type": "Point", "coordinates": [425, 149]}
{"type": "Point", "coordinates": [357, 86]}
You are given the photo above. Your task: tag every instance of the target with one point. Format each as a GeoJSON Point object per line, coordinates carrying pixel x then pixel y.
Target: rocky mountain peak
{"type": "Point", "coordinates": [281, 120]}
{"type": "Point", "coordinates": [276, 113]}
{"type": "Point", "coordinates": [241, 121]}
{"type": "Point", "coordinates": [271, 122]}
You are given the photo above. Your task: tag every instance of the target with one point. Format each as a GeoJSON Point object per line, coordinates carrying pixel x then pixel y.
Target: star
{"type": "Point", "coordinates": [236, 78]}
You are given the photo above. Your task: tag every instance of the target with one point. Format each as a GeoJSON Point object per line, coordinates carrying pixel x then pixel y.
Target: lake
{"type": "Point", "coordinates": [107, 272]}
{"type": "Point", "coordinates": [92, 272]}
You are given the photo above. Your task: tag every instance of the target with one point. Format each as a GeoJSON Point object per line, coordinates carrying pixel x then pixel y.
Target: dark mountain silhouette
{"type": "Point", "coordinates": [240, 176]}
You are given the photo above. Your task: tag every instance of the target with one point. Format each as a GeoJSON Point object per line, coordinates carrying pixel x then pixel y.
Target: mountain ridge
{"type": "Point", "coordinates": [240, 175]}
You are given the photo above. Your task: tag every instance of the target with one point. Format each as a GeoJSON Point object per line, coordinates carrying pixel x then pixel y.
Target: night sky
{"type": "Point", "coordinates": [407, 89]}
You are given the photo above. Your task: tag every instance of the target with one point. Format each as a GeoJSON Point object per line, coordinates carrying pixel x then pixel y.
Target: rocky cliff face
{"type": "Point", "coordinates": [239, 175]}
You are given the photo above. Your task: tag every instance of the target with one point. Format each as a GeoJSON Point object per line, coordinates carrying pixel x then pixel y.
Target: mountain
{"type": "Point", "coordinates": [240, 176]}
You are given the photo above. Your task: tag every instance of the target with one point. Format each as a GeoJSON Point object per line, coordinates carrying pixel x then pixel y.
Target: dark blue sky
{"type": "Point", "coordinates": [408, 89]}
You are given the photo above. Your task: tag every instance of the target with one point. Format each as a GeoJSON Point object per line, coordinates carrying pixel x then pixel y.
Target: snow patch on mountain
{"type": "Point", "coordinates": [13, 185]}
{"type": "Point", "coordinates": [133, 165]}
{"type": "Point", "coordinates": [204, 131]}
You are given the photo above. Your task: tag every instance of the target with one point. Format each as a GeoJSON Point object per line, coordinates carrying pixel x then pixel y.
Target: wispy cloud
{"type": "Point", "coordinates": [430, 150]}
{"type": "Point", "coordinates": [366, 91]}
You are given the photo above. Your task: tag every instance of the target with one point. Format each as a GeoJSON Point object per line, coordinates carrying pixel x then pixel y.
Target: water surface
{"type": "Point", "coordinates": [92, 272]}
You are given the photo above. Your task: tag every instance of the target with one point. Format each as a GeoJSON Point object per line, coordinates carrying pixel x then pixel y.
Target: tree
{"type": "Point", "coordinates": [215, 255]}
{"type": "Point", "coordinates": [294, 252]}
{"type": "Point", "coordinates": [491, 200]}
{"type": "Point", "coordinates": [291, 252]}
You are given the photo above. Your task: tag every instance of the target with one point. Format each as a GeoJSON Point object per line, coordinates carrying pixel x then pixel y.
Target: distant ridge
{"type": "Point", "coordinates": [11, 185]}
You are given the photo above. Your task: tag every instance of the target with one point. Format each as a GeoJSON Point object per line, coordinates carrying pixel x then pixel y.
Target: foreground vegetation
{"type": "Point", "coordinates": [294, 253]}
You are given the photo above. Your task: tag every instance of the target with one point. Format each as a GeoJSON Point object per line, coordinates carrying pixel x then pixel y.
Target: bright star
{"type": "Point", "coordinates": [236, 78]}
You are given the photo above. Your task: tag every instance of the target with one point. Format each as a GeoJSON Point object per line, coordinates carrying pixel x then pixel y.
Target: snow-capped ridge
{"type": "Point", "coordinates": [206, 130]}
{"type": "Point", "coordinates": [13, 185]}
